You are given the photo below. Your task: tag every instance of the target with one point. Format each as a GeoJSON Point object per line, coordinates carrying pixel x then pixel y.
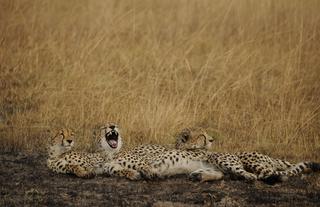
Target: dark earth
{"type": "Point", "coordinates": [26, 181]}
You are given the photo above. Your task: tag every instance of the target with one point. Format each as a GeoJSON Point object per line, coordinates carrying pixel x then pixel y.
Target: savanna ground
{"type": "Point", "coordinates": [247, 69]}
{"type": "Point", "coordinates": [30, 183]}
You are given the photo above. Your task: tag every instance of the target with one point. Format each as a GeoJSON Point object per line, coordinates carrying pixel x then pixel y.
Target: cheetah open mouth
{"type": "Point", "coordinates": [112, 138]}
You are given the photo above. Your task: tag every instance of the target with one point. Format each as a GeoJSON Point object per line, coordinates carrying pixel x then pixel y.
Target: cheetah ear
{"type": "Point", "coordinates": [54, 135]}
{"type": "Point", "coordinates": [185, 133]}
{"type": "Point", "coordinates": [96, 130]}
{"type": "Point", "coordinates": [48, 134]}
{"type": "Point", "coordinates": [182, 136]}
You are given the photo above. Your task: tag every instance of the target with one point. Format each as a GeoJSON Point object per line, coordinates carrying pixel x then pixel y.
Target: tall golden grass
{"type": "Point", "coordinates": [247, 69]}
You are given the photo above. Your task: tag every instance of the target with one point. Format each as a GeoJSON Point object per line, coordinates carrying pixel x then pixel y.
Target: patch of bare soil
{"type": "Point", "coordinates": [26, 181]}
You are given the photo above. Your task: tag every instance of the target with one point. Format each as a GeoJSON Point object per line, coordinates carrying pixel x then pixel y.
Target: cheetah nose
{"type": "Point", "coordinates": [112, 127]}
{"type": "Point", "coordinates": [69, 141]}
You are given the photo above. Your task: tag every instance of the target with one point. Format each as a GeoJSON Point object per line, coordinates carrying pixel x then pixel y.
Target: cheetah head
{"type": "Point", "coordinates": [193, 138]}
{"type": "Point", "coordinates": [109, 138]}
{"type": "Point", "coordinates": [62, 142]}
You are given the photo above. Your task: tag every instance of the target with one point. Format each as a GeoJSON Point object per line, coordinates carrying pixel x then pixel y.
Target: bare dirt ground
{"type": "Point", "coordinates": [25, 181]}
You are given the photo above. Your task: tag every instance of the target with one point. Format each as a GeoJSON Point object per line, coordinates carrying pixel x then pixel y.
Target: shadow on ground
{"type": "Point", "coordinates": [25, 181]}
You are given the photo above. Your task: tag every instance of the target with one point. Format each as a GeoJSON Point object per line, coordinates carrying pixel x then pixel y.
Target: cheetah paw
{"type": "Point", "coordinates": [85, 174]}
{"type": "Point", "coordinates": [250, 177]}
{"type": "Point", "coordinates": [195, 176]}
{"type": "Point", "coordinates": [148, 174]}
{"type": "Point", "coordinates": [132, 175]}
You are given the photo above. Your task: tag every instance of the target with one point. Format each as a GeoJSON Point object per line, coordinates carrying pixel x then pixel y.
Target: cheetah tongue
{"type": "Point", "coordinates": [113, 143]}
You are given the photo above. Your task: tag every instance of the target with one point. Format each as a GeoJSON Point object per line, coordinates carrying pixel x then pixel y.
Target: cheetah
{"type": "Point", "coordinates": [247, 165]}
{"type": "Point", "coordinates": [109, 142]}
{"type": "Point", "coordinates": [147, 160]}
{"type": "Point", "coordinates": [62, 159]}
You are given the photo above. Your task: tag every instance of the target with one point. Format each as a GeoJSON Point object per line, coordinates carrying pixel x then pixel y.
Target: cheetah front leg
{"type": "Point", "coordinates": [80, 171]}
{"type": "Point", "coordinates": [147, 171]}
{"type": "Point", "coordinates": [115, 169]}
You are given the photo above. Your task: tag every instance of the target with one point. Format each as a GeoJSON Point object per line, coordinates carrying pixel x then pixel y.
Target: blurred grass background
{"type": "Point", "coordinates": [247, 69]}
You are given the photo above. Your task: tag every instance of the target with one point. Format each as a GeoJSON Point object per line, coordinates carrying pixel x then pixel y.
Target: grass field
{"type": "Point", "coordinates": [249, 70]}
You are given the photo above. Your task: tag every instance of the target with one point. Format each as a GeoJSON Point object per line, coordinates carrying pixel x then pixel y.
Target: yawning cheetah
{"type": "Point", "coordinates": [159, 161]}
{"type": "Point", "coordinates": [62, 159]}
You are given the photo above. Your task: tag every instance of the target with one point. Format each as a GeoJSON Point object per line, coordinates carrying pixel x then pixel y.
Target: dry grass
{"type": "Point", "coordinates": [248, 69]}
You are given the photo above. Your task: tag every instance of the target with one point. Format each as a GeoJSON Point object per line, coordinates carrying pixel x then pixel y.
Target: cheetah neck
{"type": "Point", "coordinates": [55, 151]}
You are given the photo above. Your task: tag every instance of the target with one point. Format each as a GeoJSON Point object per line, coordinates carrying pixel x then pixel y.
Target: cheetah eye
{"type": "Point", "coordinates": [210, 140]}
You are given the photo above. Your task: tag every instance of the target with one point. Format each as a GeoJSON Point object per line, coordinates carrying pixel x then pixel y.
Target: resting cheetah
{"type": "Point", "coordinates": [110, 142]}
{"type": "Point", "coordinates": [249, 165]}
{"type": "Point", "coordinates": [63, 160]}
{"type": "Point", "coordinates": [150, 160]}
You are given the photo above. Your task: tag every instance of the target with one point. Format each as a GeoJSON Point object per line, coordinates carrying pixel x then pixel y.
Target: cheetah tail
{"type": "Point", "coordinates": [299, 168]}
{"type": "Point", "coordinates": [314, 166]}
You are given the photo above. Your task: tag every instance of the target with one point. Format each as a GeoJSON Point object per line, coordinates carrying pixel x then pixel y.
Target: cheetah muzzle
{"type": "Point", "coordinates": [112, 138]}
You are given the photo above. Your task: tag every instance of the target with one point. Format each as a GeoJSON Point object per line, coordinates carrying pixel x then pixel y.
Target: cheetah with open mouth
{"type": "Point", "coordinates": [63, 159]}
{"type": "Point", "coordinates": [192, 157]}
{"type": "Point", "coordinates": [150, 161]}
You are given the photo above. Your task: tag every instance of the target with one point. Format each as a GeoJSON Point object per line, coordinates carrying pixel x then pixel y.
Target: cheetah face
{"type": "Point", "coordinates": [64, 138]}
{"type": "Point", "coordinates": [109, 138]}
{"type": "Point", "coordinates": [62, 142]}
{"type": "Point", "coordinates": [193, 138]}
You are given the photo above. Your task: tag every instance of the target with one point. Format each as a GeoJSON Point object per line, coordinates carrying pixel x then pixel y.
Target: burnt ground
{"type": "Point", "coordinates": [25, 181]}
